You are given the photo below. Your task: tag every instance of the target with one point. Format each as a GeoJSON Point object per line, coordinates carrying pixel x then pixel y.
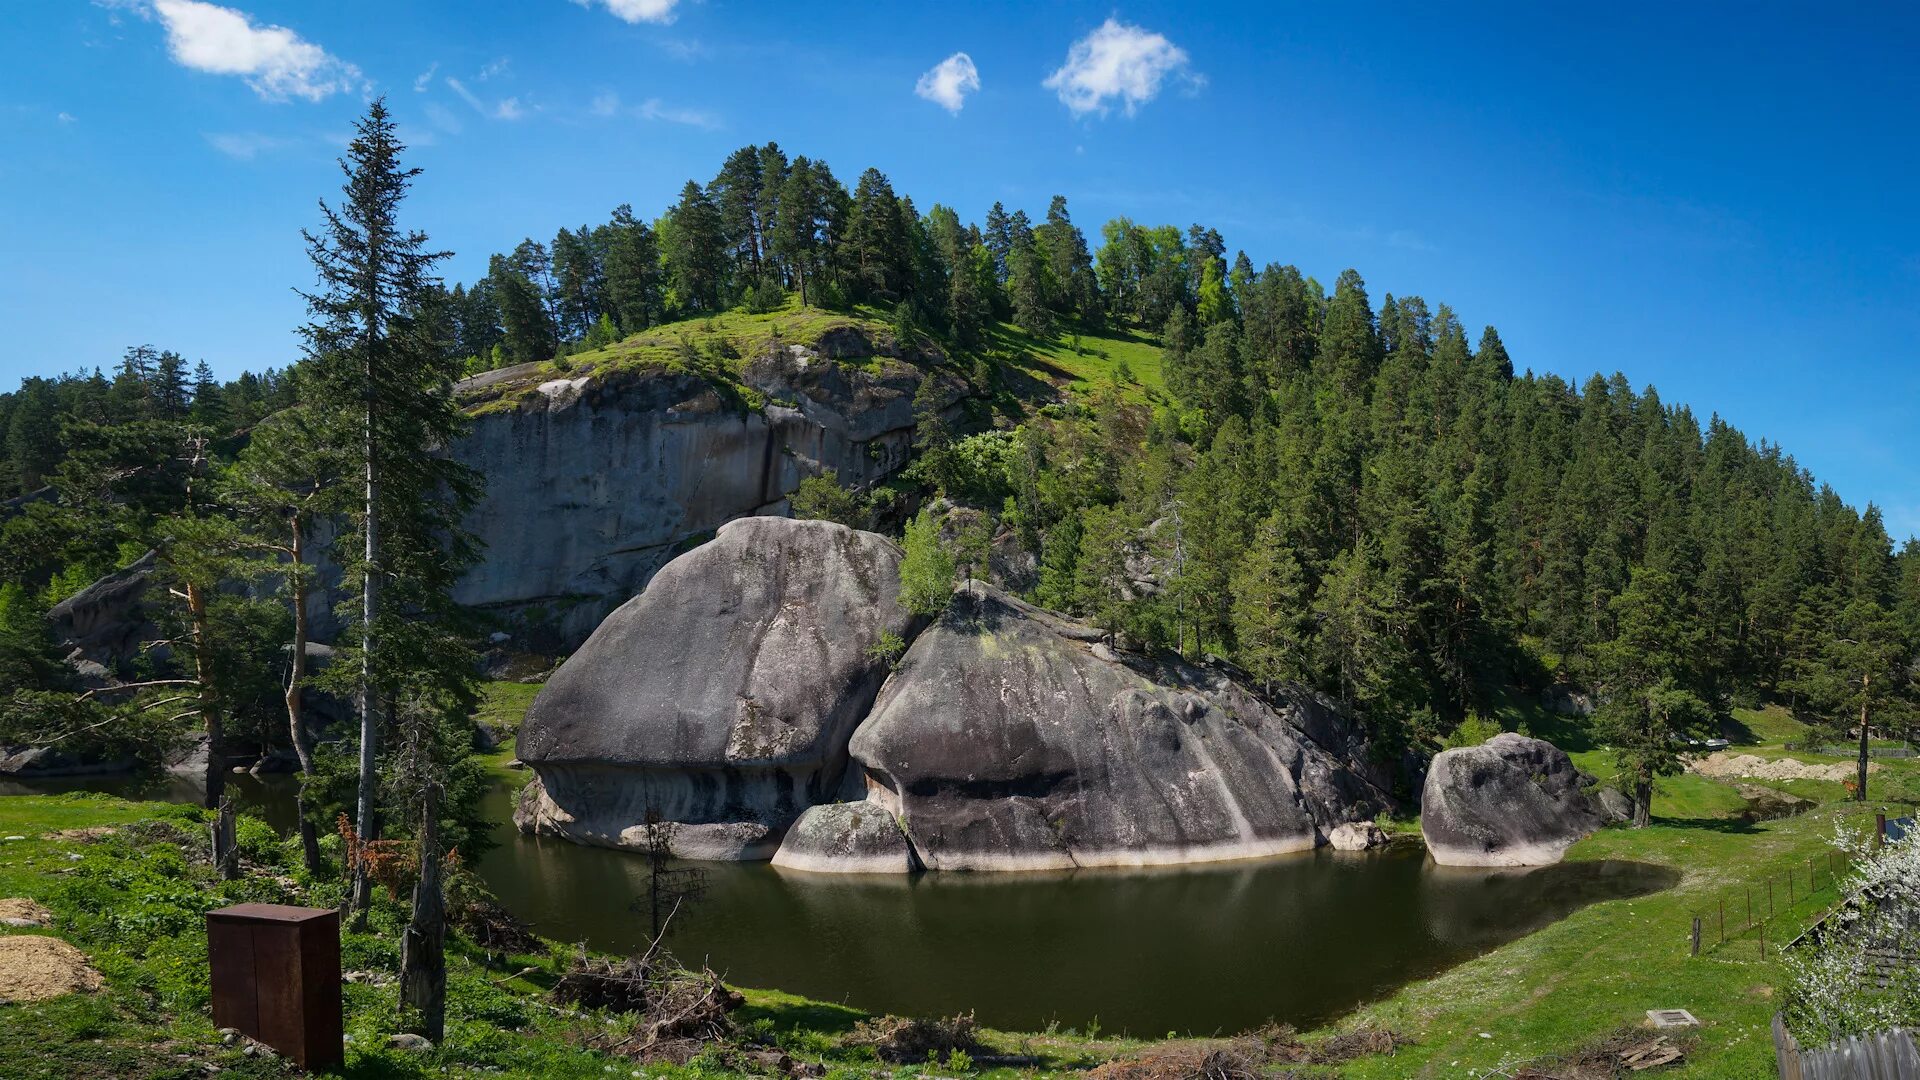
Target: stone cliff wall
{"type": "Point", "coordinates": [593, 483]}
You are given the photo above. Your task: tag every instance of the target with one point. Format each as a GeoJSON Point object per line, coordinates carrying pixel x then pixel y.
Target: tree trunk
{"type": "Point", "coordinates": [423, 961]}
{"type": "Point", "coordinates": [365, 823]}
{"type": "Point", "coordinates": [226, 843]}
{"type": "Point", "coordinates": [1642, 801]}
{"type": "Point", "coordinates": [1860, 793]}
{"type": "Point", "coordinates": [216, 775]}
{"type": "Point", "coordinates": [296, 719]}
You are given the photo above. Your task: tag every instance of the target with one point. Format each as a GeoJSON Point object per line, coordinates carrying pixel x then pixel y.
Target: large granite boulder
{"type": "Point", "coordinates": [1511, 801]}
{"type": "Point", "coordinates": [721, 698]}
{"type": "Point", "coordinates": [1013, 739]}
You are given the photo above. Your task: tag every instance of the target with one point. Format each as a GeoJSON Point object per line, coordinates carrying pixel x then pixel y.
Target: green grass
{"type": "Point", "coordinates": [505, 704]}
{"type": "Point", "coordinates": [1600, 969]}
{"type": "Point", "coordinates": [1125, 359]}
{"type": "Point", "coordinates": [1031, 369]}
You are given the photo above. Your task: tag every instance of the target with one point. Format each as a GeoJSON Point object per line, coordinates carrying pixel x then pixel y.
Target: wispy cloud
{"type": "Point", "coordinates": [949, 82]}
{"type": "Point", "coordinates": [497, 67]}
{"type": "Point", "coordinates": [67, 118]}
{"type": "Point", "coordinates": [504, 109]}
{"type": "Point", "coordinates": [608, 105]}
{"type": "Point", "coordinates": [685, 49]}
{"type": "Point", "coordinates": [636, 11]}
{"type": "Point", "coordinates": [1120, 62]}
{"type": "Point", "coordinates": [442, 117]}
{"type": "Point", "coordinates": [424, 81]}
{"type": "Point", "coordinates": [245, 145]}
{"type": "Point", "coordinates": [276, 62]}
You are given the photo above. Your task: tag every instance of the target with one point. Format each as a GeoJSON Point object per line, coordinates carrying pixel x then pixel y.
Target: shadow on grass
{"type": "Point", "coordinates": [814, 1016]}
{"type": "Point", "coordinates": [1739, 825]}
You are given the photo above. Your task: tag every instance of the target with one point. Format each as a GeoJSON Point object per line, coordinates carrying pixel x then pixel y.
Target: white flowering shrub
{"type": "Point", "coordinates": [1839, 982]}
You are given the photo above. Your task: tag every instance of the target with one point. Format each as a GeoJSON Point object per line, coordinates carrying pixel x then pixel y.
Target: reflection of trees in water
{"type": "Point", "coordinates": [1479, 907]}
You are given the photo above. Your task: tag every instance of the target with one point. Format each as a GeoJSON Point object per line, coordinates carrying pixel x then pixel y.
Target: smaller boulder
{"type": "Point", "coordinates": [847, 838]}
{"type": "Point", "coordinates": [1357, 836]}
{"type": "Point", "coordinates": [1511, 801]}
{"type": "Point", "coordinates": [410, 1042]}
{"type": "Point", "coordinates": [1614, 804]}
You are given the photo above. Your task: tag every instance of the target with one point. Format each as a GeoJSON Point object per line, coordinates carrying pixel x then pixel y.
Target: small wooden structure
{"type": "Point", "coordinates": [275, 973]}
{"type": "Point", "coordinates": [1885, 1055]}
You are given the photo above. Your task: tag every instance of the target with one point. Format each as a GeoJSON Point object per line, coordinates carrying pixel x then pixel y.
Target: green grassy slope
{"type": "Point", "coordinates": [1031, 369]}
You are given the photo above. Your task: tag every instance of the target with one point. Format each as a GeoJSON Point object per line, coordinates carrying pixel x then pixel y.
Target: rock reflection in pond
{"type": "Point", "coordinates": [1219, 947]}
{"type": "Point", "coordinates": [1194, 949]}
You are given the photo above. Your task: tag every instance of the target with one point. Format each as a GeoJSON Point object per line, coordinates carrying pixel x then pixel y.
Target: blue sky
{"type": "Point", "coordinates": [1718, 200]}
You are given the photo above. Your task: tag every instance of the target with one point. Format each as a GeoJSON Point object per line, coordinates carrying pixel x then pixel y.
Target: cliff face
{"type": "Point", "coordinates": [594, 482]}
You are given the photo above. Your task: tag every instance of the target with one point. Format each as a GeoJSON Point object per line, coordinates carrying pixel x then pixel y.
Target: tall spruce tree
{"type": "Point", "coordinates": [373, 355]}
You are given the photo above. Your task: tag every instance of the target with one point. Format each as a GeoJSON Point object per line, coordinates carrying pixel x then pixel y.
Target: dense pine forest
{"type": "Point", "coordinates": [1361, 496]}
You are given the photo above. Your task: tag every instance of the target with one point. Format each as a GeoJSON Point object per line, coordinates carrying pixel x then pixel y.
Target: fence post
{"type": "Point", "coordinates": [1763, 941]}
{"type": "Point", "coordinates": [1696, 935]}
{"type": "Point", "coordinates": [1748, 889]}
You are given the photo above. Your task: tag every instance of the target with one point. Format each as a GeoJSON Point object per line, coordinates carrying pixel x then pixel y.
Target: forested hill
{"type": "Point", "coordinates": [1357, 496]}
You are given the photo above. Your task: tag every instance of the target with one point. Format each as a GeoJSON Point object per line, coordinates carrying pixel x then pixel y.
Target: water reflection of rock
{"type": "Point", "coordinates": [1476, 908]}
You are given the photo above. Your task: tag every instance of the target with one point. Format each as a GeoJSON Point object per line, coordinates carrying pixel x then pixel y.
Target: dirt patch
{"type": "Point", "coordinates": [20, 912]}
{"type": "Point", "coordinates": [1252, 1056]}
{"type": "Point", "coordinates": [84, 836]}
{"type": "Point", "coordinates": [35, 968]}
{"type": "Point", "coordinates": [1720, 763]}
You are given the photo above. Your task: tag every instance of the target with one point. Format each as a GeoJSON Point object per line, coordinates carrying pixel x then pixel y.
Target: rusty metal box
{"type": "Point", "coordinates": [276, 978]}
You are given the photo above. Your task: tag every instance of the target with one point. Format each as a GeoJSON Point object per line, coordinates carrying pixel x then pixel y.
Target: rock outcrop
{"type": "Point", "coordinates": [722, 697]}
{"type": "Point", "coordinates": [103, 624]}
{"type": "Point", "coordinates": [1013, 739]}
{"type": "Point", "coordinates": [1511, 801]}
{"type": "Point", "coordinates": [594, 482]}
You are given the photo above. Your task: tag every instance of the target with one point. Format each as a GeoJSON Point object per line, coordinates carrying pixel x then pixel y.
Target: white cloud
{"type": "Point", "coordinates": [504, 109]}
{"type": "Point", "coordinates": [244, 145]}
{"type": "Point", "coordinates": [425, 79]}
{"type": "Point", "coordinates": [498, 67]}
{"type": "Point", "coordinates": [949, 82]}
{"type": "Point", "coordinates": [443, 118]}
{"type": "Point", "coordinates": [277, 63]}
{"type": "Point", "coordinates": [608, 104]}
{"type": "Point", "coordinates": [654, 109]}
{"type": "Point", "coordinates": [1118, 61]}
{"type": "Point", "coordinates": [67, 118]}
{"type": "Point", "coordinates": [636, 11]}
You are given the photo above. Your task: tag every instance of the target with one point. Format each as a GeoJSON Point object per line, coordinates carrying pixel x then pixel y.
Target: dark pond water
{"type": "Point", "coordinates": [1201, 949]}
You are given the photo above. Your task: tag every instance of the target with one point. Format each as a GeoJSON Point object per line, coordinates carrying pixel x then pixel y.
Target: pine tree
{"type": "Point", "coordinates": [878, 251]}
{"type": "Point", "coordinates": [632, 270]}
{"type": "Point", "coordinates": [1650, 704]}
{"type": "Point", "coordinates": [1271, 619]}
{"type": "Point", "coordinates": [695, 251]}
{"type": "Point", "coordinates": [372, 355]}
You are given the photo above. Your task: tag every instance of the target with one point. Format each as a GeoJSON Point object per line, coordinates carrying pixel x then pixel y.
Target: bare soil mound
{"type": "Point", "coordinates": [21, 912]}
{"type": "Point", "coordinates": [35, 968]}
{"type": "Point", "coordinates": [1748, 767]}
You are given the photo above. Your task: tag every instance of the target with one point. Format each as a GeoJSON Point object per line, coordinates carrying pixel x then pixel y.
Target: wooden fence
{"type": "Point", "coordinates": [1886, 1055]}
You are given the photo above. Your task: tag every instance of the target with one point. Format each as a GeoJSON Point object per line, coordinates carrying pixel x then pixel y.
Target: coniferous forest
{"type": "Point", "coordinates": [1360, 493]}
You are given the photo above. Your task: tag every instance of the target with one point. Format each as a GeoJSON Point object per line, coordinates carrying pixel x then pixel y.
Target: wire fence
{"type": "Point", "coordinates": [1766, 914]}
